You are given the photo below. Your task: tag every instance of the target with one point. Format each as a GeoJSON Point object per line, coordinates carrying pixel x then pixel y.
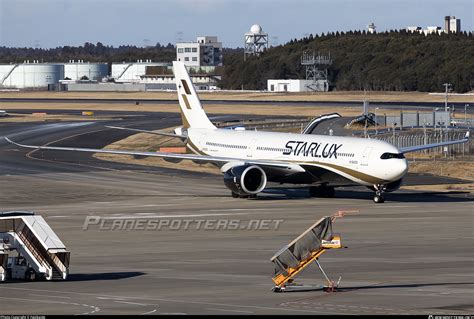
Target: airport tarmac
{"type": "Point", "coordinates": [411, 255]}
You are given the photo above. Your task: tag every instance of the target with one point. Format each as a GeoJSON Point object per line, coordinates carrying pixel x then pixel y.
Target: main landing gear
{"type": "Point", "coordinates": [379, 191]}
{"type": "Point", "coordinates": [322, 191]}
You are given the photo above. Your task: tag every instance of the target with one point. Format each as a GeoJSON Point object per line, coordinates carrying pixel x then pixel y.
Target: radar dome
{"type": "Point", "coordinates": [256, 28]}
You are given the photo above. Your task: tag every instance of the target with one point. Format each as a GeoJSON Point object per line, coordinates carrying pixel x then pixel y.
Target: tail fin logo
{"type": "Point", "coordinates": [192, 113]}
{"type": "Point", "coordinates": [186, 102]}
{"type": "Point", "coordinates": [186, 87]}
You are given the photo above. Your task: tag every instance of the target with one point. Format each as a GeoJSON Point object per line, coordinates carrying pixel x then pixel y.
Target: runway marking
{"type": "Point", "coordinates": [159, 205]}
{"type": "Point", "coordinates": [131, 303]}
{"type": "Point", "coordinates": [49, 296]}
{"type": "Point", "coordinates": [397, 206]}
{"type": "Point", "coordinates": [107, 298]}
{"type": "Point", "coordinates": [175, 301]}
{"type": "Point", "coordinates": [30, 154]}
{"type": "Point", "coordinates": [171, 216]}
{"type": "Point", "coordinates": [95, 308]}
{"type": "Point", "coordinates": [149, 312]}
{"type": "Point", "coordinates": [234, 209]}
{"type": "Point", "coordinates": [228, 310]}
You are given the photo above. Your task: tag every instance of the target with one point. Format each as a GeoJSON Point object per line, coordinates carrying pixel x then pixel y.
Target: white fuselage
{"type": "Point", "coordinates": [356, 159]}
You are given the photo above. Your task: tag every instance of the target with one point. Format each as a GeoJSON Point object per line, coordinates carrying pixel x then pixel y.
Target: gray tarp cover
{"type": "Point", "coordinates": [292, 255]}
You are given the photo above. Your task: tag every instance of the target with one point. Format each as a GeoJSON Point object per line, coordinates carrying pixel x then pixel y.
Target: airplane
{"type": "Point", "coordinates": [250, 159]}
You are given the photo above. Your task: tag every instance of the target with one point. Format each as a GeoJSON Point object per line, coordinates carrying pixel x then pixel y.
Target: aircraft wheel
{"type": "Point", "coordinates": [378, 199]}
{"type": "Point", "coordinates": [30, 274]}
{"type": "Point", "coordinates": [235, 195]}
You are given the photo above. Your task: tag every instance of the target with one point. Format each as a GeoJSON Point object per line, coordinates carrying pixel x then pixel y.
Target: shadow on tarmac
{"type": "Point", "coordinates": [104, 276]}
{"type": "Point", "coordinates": [87, 277]}
{"type": "Point", "coordinates": [402, 197]}
{"type": "Point", "coordinates": [303, 288]}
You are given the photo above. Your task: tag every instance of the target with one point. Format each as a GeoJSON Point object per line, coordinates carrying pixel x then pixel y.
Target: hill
{"type": "Point", "coordinates": [390, 61]}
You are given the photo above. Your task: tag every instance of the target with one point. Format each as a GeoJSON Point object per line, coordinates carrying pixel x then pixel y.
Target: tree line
{"type": "Point", "coordinates": [388, 61]}
{"type": "Point", "coordinates": [89, 52]}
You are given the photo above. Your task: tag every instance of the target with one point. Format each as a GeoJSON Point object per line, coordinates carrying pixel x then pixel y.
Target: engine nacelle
{"type": "Point", "coordinates": [245, 179]}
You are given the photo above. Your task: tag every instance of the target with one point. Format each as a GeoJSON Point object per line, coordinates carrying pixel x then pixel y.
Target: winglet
{"type": "Point", "coordinates": [467, 135]}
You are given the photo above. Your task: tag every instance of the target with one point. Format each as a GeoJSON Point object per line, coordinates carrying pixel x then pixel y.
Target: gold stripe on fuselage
{"type": "Point", "coordinates": [355, 174]}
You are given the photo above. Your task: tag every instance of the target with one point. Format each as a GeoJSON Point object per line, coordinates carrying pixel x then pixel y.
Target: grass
{"type": "Point", "coordinates": [236, 95]}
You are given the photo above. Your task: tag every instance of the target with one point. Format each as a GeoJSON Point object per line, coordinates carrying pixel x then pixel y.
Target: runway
{"type": "Point", "coordinates": [411, 255]}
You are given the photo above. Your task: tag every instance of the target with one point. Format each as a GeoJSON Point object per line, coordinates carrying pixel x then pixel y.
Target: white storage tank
{"type": "Point", "coordinates": [30, 75]}
{"type": "Point", "coordinates": [132, 72]}
{"type": "Point", "coordinates": [80, 70]}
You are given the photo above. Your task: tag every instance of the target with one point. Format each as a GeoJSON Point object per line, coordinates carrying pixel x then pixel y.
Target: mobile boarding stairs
{"type": "Point", "coordinates": [289, 261]}
{"type": "Point", "coordinates": [35, 247]}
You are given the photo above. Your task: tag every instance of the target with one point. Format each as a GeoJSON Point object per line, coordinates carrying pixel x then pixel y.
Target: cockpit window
{"type": "Point", "coordinates": [391, 155]}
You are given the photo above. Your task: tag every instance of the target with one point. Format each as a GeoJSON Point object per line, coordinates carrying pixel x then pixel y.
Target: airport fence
{"type": "Point", "coordinates": [268, 124]}
{"type": "Point", "coordinates": [419, 119]}
{"type": "Point", "coordinates": [422, 137]}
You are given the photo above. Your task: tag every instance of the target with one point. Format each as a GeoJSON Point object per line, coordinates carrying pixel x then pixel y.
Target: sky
{"type": "Point", "coordinates": [52, 23]}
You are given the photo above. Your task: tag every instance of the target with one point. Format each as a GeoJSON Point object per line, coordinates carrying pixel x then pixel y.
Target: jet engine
{"type": "Point", "coordinates": [245, 179]}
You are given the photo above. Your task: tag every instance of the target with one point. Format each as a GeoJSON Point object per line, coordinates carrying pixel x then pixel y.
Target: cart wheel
{"type": "Point", "coordinates": [30, 274]}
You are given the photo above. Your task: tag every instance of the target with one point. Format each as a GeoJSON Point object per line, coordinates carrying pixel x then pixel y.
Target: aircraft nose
{"type": "Point", "coordinates": [401, 168]}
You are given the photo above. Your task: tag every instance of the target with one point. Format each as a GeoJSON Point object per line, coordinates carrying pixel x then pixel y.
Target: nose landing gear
{"type": "Point", "coordinates": [379, 192]}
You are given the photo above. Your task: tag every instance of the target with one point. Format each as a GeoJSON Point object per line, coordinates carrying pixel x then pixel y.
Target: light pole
{"type": "Point", "coordinates": [446, 86]}
{"type": "Point", "coordinates": [465, 114]}
{"type": "Point", "coordinates": [448, 118]}
{"type": "Point", "coordinates": [376, 122]}
{"type": "Point", "coordinates": [393, 132]}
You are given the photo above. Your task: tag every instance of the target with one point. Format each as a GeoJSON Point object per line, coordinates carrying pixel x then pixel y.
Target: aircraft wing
{"type": "Point", "coordinates": [433, 145]}
{"type": "Point", "coordinates": [288, 167]}
{"type": "Point", "coordinates": [183, 137]}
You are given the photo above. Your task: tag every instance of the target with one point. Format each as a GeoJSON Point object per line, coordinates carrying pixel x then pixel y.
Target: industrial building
{"type": "Point", "coordinates": [149, 75]}
{"type": "Point", "coordinates": [206, 51]}
{"type": "Point", "coordinates": [451, 25]}
{"type": "Point", "coordinates": [201, 58]}
{"type": "Point", "coordinates": [80, 70]}
{"type": "Point", "coordinates": [288, 85]}
{"type": "Point", "coordinates": [371, 28]}
{"type": "Point", "coordinates": [30, 75]}
{"type": "Point", "coordinates": [126, 72]}
{"type": "Point", "coordinates": [78, 75]}
{"type": "Point", "coordinates": [36, 75]}
{"type": "Point", "coordinates": [428, 30]}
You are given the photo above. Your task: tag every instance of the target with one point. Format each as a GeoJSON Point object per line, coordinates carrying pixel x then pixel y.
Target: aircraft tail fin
{"type": "Point", "coordinates": [192, 113]}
